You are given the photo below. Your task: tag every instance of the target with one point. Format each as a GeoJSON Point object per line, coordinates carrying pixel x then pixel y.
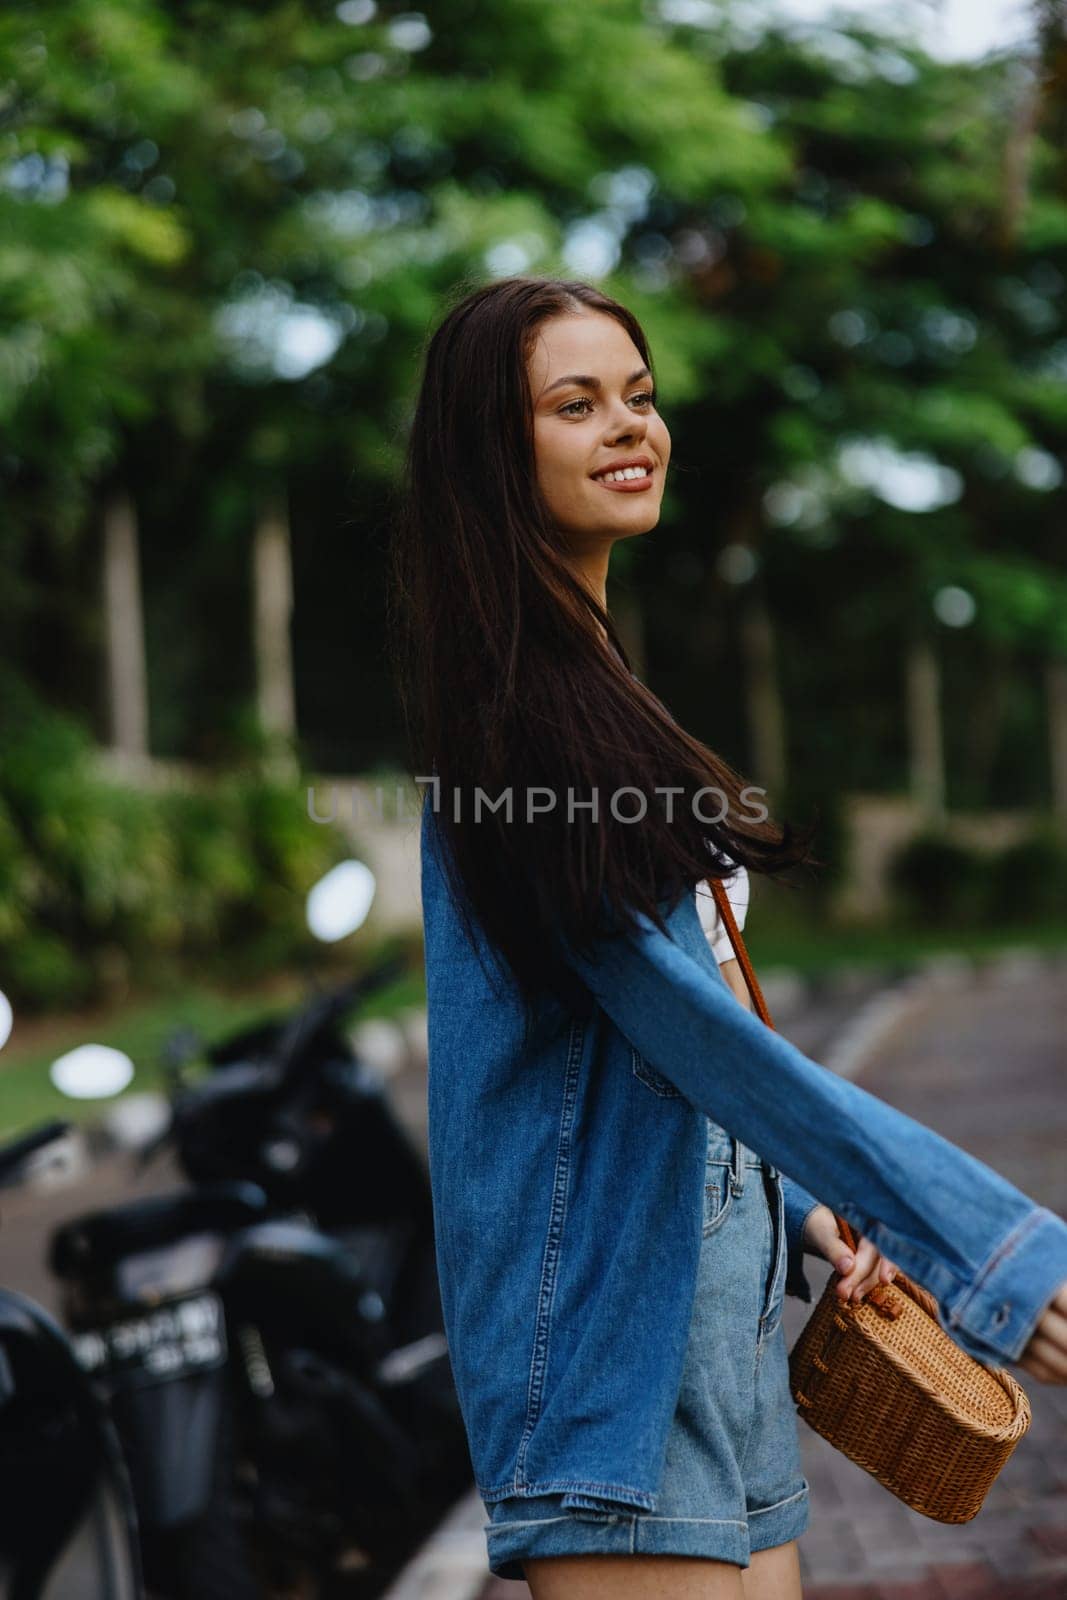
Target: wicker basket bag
{"type": "Point", "coordinates": [887, 1386]}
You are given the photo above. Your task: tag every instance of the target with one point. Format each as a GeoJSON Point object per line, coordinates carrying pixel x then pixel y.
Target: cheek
{"type": "Point", "coordinates": [561, 468]}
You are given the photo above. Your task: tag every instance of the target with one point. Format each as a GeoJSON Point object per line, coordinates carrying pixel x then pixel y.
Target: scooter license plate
{"type": "Point", "coordinates": [180, 1337]}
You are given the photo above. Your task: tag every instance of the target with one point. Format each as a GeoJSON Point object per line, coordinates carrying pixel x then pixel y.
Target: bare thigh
{"type": "Point", "coordinates": [772, 1574]}
{"type": "Point", "coordinates": [590, 1577]}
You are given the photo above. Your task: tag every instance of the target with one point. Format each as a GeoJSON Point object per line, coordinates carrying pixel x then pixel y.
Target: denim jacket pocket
{"type": "Point", "coordinates": [655, 1080]}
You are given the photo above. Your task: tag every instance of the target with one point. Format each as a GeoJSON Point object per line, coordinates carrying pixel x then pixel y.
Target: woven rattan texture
{"type": "Point", "coordinates": [894, 1393]}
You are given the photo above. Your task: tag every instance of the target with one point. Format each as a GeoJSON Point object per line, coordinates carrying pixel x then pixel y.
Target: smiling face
{"type": "Point", "coordinates": [593, 410]}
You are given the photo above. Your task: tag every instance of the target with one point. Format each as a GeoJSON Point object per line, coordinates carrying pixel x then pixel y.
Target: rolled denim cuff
{"type": "Point", "coordinates": [994, 1317]}
{"type": "Point", "coordinates": [798, 1205]}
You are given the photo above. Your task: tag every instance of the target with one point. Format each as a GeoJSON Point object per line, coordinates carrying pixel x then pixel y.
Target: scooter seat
{"type": "Point", "coordinates": [100, 1239]}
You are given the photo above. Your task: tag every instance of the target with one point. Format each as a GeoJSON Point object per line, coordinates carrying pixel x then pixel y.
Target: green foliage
{"type": "Point", "coordinates": [945, 884]}
{"type": "Point", "coordinates": [941, 882]}
{"type": "Point", "coordinates": [821, 229]}
{"type": "Point", "coordinates": [1029, 879]}
{"type": "Point", "coordinates": [103, 885]}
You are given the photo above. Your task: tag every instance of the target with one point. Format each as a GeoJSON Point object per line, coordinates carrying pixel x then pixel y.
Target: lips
{"type": "Point", "coordinates": [634, 485]}
{"type": "Point", "coordinates": [627, 485]}
{"type": "Point", "coordinates": [621, 463]}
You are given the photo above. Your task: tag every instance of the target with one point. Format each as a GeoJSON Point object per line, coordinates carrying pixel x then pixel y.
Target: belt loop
{"type": "Point", "coordinates": [737, 1169]}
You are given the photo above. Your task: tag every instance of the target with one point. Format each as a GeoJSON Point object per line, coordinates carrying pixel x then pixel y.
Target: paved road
{"type": "Point", "coordinates": [982, 1058]}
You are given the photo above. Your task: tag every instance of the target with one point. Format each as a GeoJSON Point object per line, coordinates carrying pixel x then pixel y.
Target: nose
{"type": "Point", "coordinates": [626, 425]}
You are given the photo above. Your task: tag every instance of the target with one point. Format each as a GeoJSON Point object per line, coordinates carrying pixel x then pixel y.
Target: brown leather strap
{"type": "Point", "coordinates": [901, 1280]}
{"type": "Point", "coordinates": [726, 912]}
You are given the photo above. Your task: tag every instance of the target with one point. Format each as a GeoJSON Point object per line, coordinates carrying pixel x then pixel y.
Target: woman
{"type": "Point", "coordinates": [627, 1165]}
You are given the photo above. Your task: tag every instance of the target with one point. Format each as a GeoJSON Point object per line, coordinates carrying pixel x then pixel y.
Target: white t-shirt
{"type": "Point", "coordinates": [736, 887]}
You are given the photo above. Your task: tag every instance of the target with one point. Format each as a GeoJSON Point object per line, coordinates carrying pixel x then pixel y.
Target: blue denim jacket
{"type": "Point", "coordinates": [567, 1178]}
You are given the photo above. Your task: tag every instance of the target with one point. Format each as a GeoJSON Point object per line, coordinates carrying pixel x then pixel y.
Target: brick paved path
{"type": "Point", "coordinates": [983, 1060]}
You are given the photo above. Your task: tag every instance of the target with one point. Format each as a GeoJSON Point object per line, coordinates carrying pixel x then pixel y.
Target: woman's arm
{"type": "Point", "coordinates": [731, 971]}
{"type": "Point", "coordinates": [991, 1257]}
{"type": "Point", "coordinates": [809, 1225]}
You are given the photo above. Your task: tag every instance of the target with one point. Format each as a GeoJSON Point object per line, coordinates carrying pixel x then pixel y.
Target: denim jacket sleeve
{"type": "Point", "coordinates": [990, 1255]}
{"type": "Point", "coordinates": [798, 1203]}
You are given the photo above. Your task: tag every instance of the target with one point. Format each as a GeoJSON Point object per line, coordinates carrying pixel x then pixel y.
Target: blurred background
{"type": "Point", "coordinates": [226, 232]}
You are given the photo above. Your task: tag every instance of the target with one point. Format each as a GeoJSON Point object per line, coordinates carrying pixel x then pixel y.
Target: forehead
{"type": "Point", "coordinates": [589, 342]}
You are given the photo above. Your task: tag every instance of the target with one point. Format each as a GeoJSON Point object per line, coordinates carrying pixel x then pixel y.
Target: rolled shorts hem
{"type": "Point", "coordinates": [777, 1524]}
{"type": "Point", "coordinates": [603, 1533]}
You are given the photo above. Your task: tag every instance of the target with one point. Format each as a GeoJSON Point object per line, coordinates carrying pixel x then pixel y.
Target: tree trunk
{"type": "Point", "coordinates": [1015, 169]}
{"type": "Point", "coordinates": [1056, 681]}
{"type": "Point", "coordinates": [926, 745]}
{"type": "Point", "coordinates": [124, 624]}
{"type": "Point", "coordinates": [273, 599]}
{"type": "Point", "coordinates": [764, 712]}
{"type": "Point", "coordinates": [987, 720]}
{"type": "Point", "coordinates": [766, 718]}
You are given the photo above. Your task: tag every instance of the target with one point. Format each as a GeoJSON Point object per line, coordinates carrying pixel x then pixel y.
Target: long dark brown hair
{"type": "Point", "coordinates": [506, 680]}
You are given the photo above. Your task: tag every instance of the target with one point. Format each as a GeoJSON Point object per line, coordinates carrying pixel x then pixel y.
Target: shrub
{"type": "Point", "coordinates": [103, 884]}
{"type": "Point", "coordinates": [1029, 879]}
{"type": "Point", "coordinates": [940, 882]}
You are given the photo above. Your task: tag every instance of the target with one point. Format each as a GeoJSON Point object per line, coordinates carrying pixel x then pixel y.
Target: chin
{"type": "Point", "coordinates": [635, 533]}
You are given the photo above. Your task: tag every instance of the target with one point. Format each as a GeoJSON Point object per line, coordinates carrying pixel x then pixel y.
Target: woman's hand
{"type": "Point", "coordinates": [858, 1272]}
{"type": "Point", "coordinates": [1046, 1354]}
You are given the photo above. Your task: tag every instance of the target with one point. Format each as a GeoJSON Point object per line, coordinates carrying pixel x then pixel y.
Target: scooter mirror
{"type": "Point", "coordinates": [6, 1019]}
{"type": "Point", "coordinates": [338, 904]}
{"type": "Point", "coordinates": [91, 1072]}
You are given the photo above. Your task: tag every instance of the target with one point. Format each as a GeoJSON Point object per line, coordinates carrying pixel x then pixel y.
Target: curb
{"type": "Point", "coordinates": [873, 1023]}
{"type": "Point", "coordinates": [899, 987]}
{"type": "Point", "coordinates": [451, 1564]}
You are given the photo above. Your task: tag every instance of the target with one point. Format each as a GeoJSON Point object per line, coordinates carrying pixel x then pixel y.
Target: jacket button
{"type": "Point", "coordinates": [1003, 1313]}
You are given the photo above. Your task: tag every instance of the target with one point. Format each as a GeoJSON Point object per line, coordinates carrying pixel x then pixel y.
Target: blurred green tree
{"type": "Point", "coordinates": [227, 228]}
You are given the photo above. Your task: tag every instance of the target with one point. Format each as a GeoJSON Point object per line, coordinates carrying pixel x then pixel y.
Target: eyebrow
{"type": "Point", "coordinates": [584, 381]}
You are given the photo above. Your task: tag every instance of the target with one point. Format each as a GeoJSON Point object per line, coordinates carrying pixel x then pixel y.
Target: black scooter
{"type": "Point", "coordinates": [67, 1524]}
{"type": "Point", "coordinates": [270, 1340]}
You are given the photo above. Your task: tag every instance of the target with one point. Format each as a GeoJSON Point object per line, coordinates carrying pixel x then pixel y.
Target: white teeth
{"type": "Point", "coordinates": [627, 472]}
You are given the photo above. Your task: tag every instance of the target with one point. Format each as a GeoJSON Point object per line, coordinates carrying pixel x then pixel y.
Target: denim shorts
{"type": "Point", "coordinates": [732, 1480]}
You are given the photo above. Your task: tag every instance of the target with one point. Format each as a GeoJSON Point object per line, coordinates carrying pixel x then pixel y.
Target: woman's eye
{"type": "Point", "coordinates": [647, 397]}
